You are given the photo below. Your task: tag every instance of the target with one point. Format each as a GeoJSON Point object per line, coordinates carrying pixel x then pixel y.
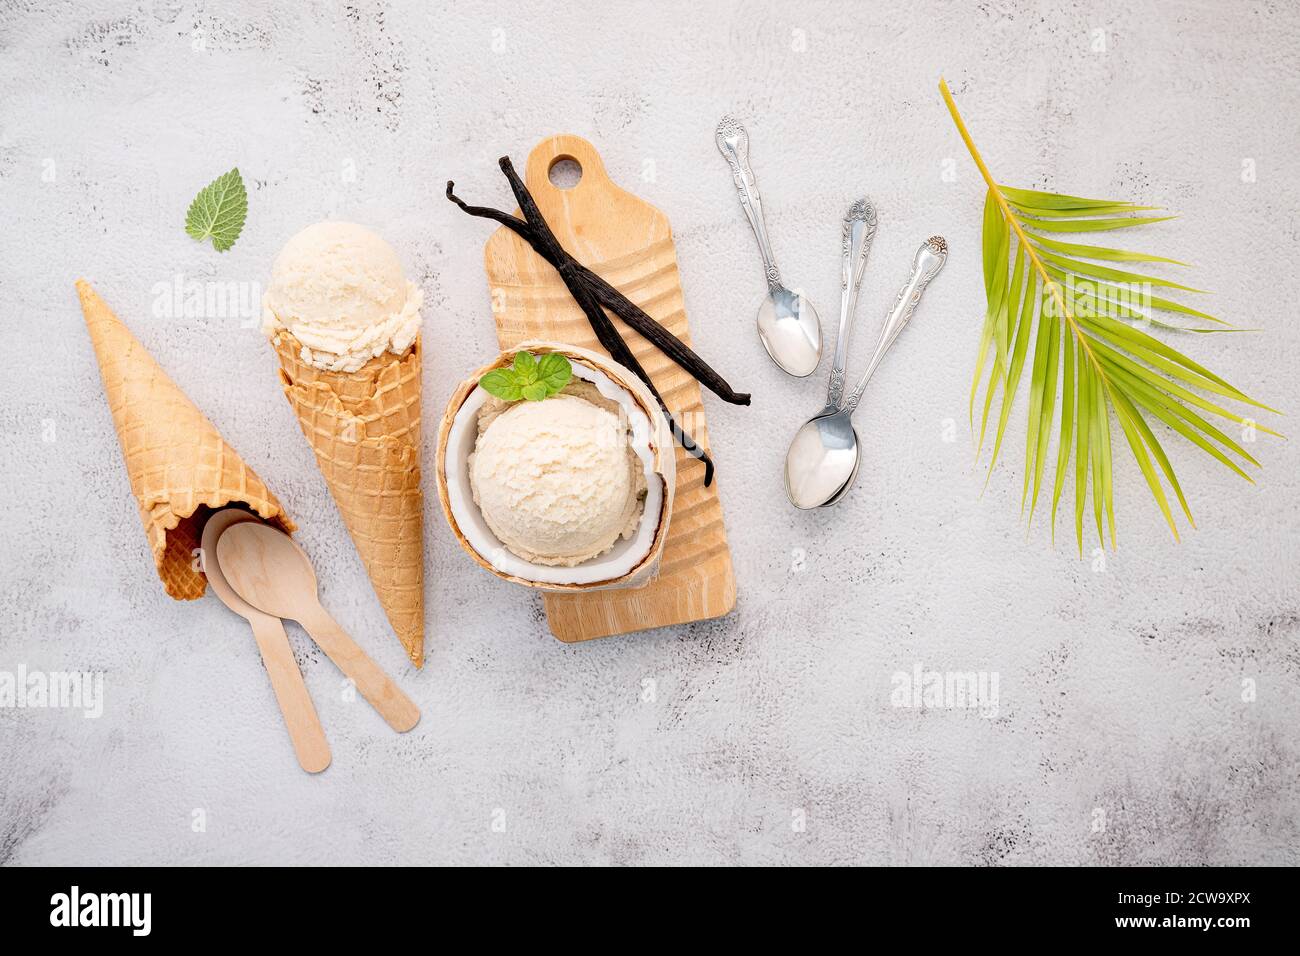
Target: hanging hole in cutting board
{"type": "Point", "coordinates": [565, 172]}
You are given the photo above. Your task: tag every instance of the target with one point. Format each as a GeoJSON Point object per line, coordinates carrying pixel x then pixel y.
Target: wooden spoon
{"type": "Point", "coordinates": [269, 571]}
{"type": "Point", "coordinates": [300, 718]}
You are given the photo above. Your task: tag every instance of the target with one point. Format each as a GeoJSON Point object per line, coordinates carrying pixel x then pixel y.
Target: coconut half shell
{"type": "Point", "coordinates": [456, 438]}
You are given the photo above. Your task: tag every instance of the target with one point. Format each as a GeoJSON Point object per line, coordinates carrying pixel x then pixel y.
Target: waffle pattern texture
{"type": "Point", "coordinates": [364, 427]}
{"type": "Point", "coordinates": [181, 469]}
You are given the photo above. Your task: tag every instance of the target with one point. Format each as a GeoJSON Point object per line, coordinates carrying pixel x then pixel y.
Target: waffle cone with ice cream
{"type": "Point", "coordinates": [181, 469]}
{"type": "Point", "coordinates": [344, 322]}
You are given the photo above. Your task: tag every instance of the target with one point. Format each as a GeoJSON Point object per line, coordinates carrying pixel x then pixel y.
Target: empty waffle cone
{"type": "Point", "coordinates": [364, 427]}
{"type": "Point", "coordinates": [181, 470]}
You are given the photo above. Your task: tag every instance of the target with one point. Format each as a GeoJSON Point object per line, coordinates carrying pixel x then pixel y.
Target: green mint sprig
{"type": "Point", "coordinates": [529, 378]}
{"type": "Point", "coordinates": [218, 211]}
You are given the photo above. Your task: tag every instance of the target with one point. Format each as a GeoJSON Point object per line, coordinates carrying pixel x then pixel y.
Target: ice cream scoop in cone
{"type": "Point", "coordinates": [342, 318]}
{"type": "Point", "coordinates": [181, 470]}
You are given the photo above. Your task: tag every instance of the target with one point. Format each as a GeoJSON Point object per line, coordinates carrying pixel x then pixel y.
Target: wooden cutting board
{"type": "Point", "coordinates": [630, 244]}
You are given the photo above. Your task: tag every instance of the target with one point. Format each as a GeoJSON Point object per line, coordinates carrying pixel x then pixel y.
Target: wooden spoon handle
{"type": "Point", "coordinates": [375, 686]}
{"type": "Point", "coordinates": [300, 718]}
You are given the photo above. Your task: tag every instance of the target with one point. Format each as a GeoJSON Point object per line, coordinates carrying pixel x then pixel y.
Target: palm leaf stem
{"type": "Point", "coordinates": [995, 190]}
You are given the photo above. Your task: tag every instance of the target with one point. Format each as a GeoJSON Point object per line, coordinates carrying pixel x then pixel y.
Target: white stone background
{"type": "Point", "coordinates": [1121, 689]}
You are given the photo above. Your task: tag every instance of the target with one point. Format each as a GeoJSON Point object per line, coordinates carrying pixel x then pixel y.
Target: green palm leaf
{"type": "Point", "coordinates": [1092, 344]}
{"type": "Point", "coordinates": [1100, 252]}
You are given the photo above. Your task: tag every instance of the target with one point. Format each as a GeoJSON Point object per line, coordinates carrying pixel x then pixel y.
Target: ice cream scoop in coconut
{"type": "Point", "coordinates": [569, 493]}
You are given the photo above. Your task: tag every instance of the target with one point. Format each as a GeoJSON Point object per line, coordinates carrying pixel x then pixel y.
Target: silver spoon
{"type": "Point", "coordinates": [859, 229]}
{"type": "Point", "coordinates": [787, 322]}
{"type": "Point", "coordinates": [824, 457]}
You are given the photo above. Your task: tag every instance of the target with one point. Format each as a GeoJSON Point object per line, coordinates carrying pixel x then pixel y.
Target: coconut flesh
{"type": "Point", "coordinates": [627, 553]}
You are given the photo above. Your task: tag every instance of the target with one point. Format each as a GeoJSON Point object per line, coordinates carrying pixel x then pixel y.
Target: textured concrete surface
{"type": "Point", "coordinates": [1147, 704]}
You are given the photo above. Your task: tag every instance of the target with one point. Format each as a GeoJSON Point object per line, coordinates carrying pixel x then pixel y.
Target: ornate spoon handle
{"type": "Point", "coordinates": [926, 264]}
{"type": "Point", "coordinates": [859, 230]}
{"type": "Point", "coordinates": [733, 143]}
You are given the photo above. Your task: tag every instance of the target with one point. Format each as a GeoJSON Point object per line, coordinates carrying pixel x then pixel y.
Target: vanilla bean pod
{"type": "Point", "coordinates": [619, 304]}
{"type": "Point", "coordinates": [665, 341]}
{"type": "Point", "coordinates": [600, 322]}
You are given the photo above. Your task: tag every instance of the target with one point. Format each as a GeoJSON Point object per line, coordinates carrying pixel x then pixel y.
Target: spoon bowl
{"type": "Point", "coordinates": [790, 331]}
{"type": "Point", "coordinates": [267, 569]}
{"type": "Point", "coordinates": [822, 461]}
{"type": "Point", "coordinates": [211, 567]}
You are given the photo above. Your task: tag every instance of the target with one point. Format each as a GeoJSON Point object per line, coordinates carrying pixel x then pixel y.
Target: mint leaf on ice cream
{"type": "Point", "coordinates": [528, 378]}
{"type": "Point", "coordinates": [554, 371]}
{"type": "Point", "coordinates": [501, 383]}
